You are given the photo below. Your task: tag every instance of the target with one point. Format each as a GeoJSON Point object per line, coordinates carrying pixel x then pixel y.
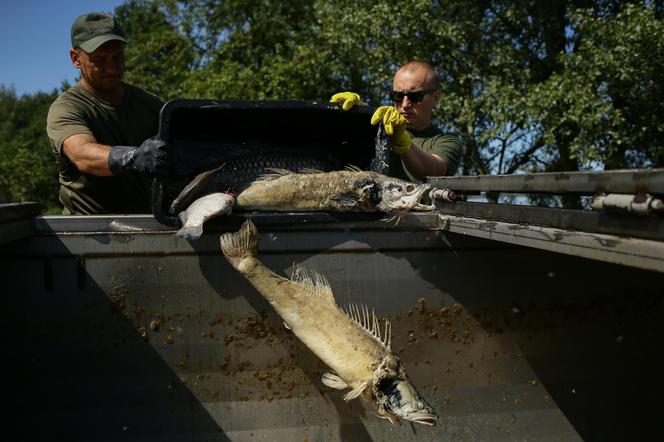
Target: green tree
{"type": "Point", "coordinates": [620, 63]}
{"type": "Point", "coordinates": [27, 167]}
{"type": "Point", "coordinates": [519, 78]}
{"type": "Point", "coordinates": [159, 57]}
{"type": "Point", "coordinates": [534, 86]}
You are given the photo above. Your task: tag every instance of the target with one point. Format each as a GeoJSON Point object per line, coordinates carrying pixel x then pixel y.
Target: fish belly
{"type": "Point", "coordinates": [327, 331]}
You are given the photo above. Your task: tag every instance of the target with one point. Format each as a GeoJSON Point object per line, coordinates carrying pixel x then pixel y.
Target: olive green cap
{"type": "Point", "coordinates": [92, 30]}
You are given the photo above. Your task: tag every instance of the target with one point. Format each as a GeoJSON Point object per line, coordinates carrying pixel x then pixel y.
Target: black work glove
{"type": "Point", "coordinates": [150, 157]}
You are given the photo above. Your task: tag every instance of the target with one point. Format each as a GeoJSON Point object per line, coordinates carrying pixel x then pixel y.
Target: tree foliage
{"type": "Point", "coordinates": [534, 86]}
{"type": "Point", "coordinates": [27, 167]}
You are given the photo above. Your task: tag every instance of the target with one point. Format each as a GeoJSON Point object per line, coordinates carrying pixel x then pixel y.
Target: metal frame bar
{"type": "Point", "coordinates": [623, 224]}
{"type": "Point", "coordinates": [567, 238]}
{"type": "Point", "coordinates": [633, 252]}
{"type": "Point", "coordinates": [614, 181]}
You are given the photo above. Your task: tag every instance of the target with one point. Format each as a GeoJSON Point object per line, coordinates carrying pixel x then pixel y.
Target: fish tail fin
{"type": "Point", "coordinates": [190, 232]}
{"type": "Point", "coordinates": [241, 244]}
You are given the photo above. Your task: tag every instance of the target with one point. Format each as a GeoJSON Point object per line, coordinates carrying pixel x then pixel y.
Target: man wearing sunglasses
{"type": "Point", "coordinates": [422, 148]}
{"type": "Point", "coordinates": [100, 129]}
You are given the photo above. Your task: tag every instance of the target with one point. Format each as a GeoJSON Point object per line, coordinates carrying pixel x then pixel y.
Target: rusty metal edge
{"type": "Point", "coordinates": [622, 224]}
{"type": "Point", "coordinates": [615, 181]}
{"type": "Point", "coordinates": [633, 252]}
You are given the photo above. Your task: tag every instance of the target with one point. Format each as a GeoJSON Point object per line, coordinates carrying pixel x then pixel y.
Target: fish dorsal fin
{"type": "Point", "coordinates": [193, 190]}
{"type": "Point", "coordinates": [278, 171]}
{"type": "Point", "coordinates": [369, 322]}
{"type": "Point", "coordinates": [314, 282]}
{"type": "Point", "coordinates": [352, 168]}
{"type": "Point", "coordinates": [273, 173]}
{"type": "Point", "coordinates": [309, 171]}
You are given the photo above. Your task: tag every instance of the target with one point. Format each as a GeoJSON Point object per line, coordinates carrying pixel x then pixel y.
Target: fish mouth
{"type": "Point", "coordinates": [404, 403]}
{"type": "Point", "coordinates": [424, 419]}
{"type": "Point", "coordinates": [409, 412]}
{"type": "Point", "coordinates": [399, 198]}
{"type": "Point", "coordinates": [412, 201]}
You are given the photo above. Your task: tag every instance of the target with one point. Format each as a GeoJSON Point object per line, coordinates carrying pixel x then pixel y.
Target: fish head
{"type": "Point", "coordinates": [397, 397]}
{"type": "Point", "coordinates": [399, 196]}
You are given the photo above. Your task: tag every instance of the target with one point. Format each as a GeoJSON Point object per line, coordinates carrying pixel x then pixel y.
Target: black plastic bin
{"type": "Point", "coordinates": [202, 134]}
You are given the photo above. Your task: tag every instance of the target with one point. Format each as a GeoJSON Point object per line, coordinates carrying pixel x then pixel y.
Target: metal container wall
{"type": "Point", "coordinates": [139, 335]}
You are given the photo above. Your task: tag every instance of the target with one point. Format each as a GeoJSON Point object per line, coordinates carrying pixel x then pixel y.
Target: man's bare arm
{"type": "Point", "coordinates": [421, 163]}
{"type": "Point", "coordinates": [87, 155]}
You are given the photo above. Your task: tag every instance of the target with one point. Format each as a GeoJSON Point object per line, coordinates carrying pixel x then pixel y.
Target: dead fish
{"type": "Point", "coordinates": [350, 190]}
{"type": "Point", "coordinates": [349, 341]}
{"type": "Point", "coordinates": [201, 210]}
{"type": "Point", "coordinates": [192, 190]}
{"type": "Point", "coordinates": [240, 170]}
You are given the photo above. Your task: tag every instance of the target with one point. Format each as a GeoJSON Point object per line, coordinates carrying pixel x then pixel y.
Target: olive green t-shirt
{"type": "Point", "coordinates": [136, 119]}
{"type": "Point", "coordinates": [448, 146]}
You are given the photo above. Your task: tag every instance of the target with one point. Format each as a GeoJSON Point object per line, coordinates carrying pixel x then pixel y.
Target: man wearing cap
{"type": "Point", "coordinates": [101, 128]}
{"type": "Point", "coordinates": [418, 147]}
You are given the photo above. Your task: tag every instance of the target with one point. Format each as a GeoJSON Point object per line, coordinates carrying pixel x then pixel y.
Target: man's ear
{"type": "Point", "coordinates": [74, 57]}
{"type": "Point", "coordinates": [436, 97]}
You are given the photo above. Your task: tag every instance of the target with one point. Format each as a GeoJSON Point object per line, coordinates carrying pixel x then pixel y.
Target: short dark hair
{"type": "Point", "coordinates": [433, 81]}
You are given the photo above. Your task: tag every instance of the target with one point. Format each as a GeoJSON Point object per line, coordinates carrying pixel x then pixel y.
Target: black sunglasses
{"type": "Point", "coordinates": [414, 96]}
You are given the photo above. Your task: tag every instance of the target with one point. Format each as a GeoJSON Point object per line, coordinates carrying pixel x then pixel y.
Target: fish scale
{"type": "Point", "coordinates": [350, 190]}
{"type": "Point", "coordinates": [238, 173]}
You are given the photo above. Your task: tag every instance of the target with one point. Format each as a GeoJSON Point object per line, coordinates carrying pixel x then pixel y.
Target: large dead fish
{"type": "Point", "coordinates": [240, 170]}
{"type": "Point", "coordinates": [351, 190]}
{"type": "Point", "coordinates": [203, 198]}
{"type": "Point", "coordinates": [349, 341]}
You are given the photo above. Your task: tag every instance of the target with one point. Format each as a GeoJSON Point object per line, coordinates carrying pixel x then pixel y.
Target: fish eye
{"type": "Point", "coordinates": [420, 405]}
{"type": "Point", "coordinates": [410, 188]}
{"type": "Point", "coordinates": [386, 384]}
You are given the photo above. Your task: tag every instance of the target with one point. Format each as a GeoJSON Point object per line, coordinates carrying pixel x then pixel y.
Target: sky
{"type": "Point", "coordinates": [35, 36]}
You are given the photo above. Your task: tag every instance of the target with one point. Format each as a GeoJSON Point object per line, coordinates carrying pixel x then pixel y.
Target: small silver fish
{"type": "Point", "coordinates": [201, 210]}
{"type": "Point", "coordinates": [350, 341]}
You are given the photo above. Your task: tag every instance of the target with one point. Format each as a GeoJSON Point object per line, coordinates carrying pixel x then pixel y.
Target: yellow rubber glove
{"type": "Point", "coordinates": [347, 99]}
{"type": "Point", "coordinates": [395, 128]}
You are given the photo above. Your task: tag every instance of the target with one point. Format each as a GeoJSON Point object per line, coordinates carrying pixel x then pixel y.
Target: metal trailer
{"type": "Point", "coordinates": [514, 322]}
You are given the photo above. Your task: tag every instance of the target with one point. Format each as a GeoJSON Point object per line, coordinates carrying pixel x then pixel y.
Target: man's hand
{"type": "Point", "coordinates": [150, 157]}
{"type": "Point", "coordinates": [395, 128]}
{"type": "Point", "coordinates": [347, 99]}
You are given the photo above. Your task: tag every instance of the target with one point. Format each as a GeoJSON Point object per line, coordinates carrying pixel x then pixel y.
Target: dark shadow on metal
{"type": "Point", "coordinates": [76, 367]}
{"type": "Point", "coordinates": [589, 330]}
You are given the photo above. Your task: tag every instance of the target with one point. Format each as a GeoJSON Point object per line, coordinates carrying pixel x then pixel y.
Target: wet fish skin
{"type": "Point", "coordinates": [349, 341]}
{"type": "Point", "coordinates": [350, 190]}
{"type": "Point", "coordinates": [239, 171]}
{"type": "Point", "coordinates": [201, 210]}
